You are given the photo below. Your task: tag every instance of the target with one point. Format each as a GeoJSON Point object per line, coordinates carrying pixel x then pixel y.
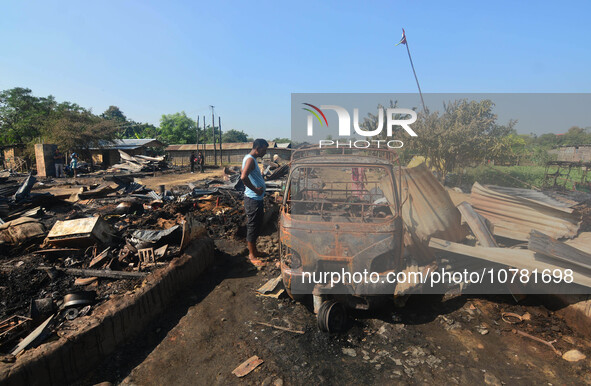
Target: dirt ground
{"type": "Point", "coordinates": [212, 328]}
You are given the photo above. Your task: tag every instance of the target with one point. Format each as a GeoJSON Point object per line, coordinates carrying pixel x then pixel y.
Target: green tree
{"type": "Point", "coordinates": [206, 136]}
{"type": "Point", "coordinates": [178, 128]}
{"type": "Point", "coordinates": [27, 119]}
{"type": "Point", "coordinates": [284, 140]}
{"type": "Point", "coordinates": [576, 136]}
{"type": "Point", "coordinates": [465, 134]}
{"type": "Point", "coordinates": [509, 149]}
{"type": "Point", "coordinates": [113, 113]}
{"type": "Point", "coordinates": [79, 131]}
{"type": "Point", "coordinates": [23, 115]}
{"type": "Point", "coordinates": [234, 136]}
{"type": "Point", "coordinates": [145, 130]}
{"type": "Point", "coordinates": [547, 140]}
{"type": "Point", "coordinates": [128, 128]}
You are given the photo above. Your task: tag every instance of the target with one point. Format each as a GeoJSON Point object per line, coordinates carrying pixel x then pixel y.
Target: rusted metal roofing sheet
{"type": "Point", "coordinates": [515, 214]}
{"type": "Point", "coordinates": [429, 211]}
{"type": "Point", "coordinates": [534, 196]}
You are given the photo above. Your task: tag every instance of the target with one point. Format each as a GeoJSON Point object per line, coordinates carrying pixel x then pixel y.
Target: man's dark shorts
{"type": "Point", "coordinates": [254, 218]}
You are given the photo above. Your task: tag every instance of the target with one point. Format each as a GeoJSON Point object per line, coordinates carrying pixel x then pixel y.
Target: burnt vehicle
{"type": "Point", "coordinates": [341, 214]}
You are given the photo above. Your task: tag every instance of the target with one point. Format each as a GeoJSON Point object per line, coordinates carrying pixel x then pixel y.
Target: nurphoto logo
{"type": "Point", "coordinates": [395, 117]}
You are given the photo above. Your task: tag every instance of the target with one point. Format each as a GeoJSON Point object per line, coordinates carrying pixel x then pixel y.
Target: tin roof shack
{"type": "Point", "coordinates": [107, 153]}
{"type": "Point", "coordinates": [571, 168]}
{"type": "Point", "coordinates": [13, 157]}
{"type": "Point", "coordinates": [232, 153]}
{"type": "Point", "coordinates": [573, 153]}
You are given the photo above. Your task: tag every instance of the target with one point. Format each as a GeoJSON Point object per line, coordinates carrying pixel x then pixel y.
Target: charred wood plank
{"type": "Point", "coordinates": [98, 273]}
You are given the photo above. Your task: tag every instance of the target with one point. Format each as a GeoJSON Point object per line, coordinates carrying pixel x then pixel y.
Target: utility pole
{"type": "Point", "coordinates": [215, 157]}
{"type": "Point", "coordinates": [204, 140]}
{"type": "Point", "coordinates": [220, 129]}
{"type": "Point", "coordinates": [197, 129]}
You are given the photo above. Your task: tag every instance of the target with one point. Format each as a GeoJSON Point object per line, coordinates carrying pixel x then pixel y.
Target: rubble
{"type": "Point", "coordinates": [102, 239]}
{"type": "Point", "coordinates": [25, 188]}
{"type": "Point", "coordinates": [11, 329]}
{"type": "Point", "coordinates": [35, 337]}
{"type": "Point", "coordinates": [24, 230]}
{"type": "Point", "coordinates": [139, 163]}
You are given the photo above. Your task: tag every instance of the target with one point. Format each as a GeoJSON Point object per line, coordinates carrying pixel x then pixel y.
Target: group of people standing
{"type": "Point", "coordinates": [197, 159]}
{"type": "Point", "coordinates": [59, 160]}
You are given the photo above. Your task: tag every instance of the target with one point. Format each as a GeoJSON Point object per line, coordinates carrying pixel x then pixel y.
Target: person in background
{"type": "Point", "coordinates": [58, 161]}
{"type": "Point", "coordinates": [201, 161]}
{"type": "Point", "coordinates": [74, 164]}
{"type": "Point", "coordinates": [278, 160]}
{"type": "Point", "coordinates": [254, 193]}
{"type": "Point", "coordinates": [192, 160]}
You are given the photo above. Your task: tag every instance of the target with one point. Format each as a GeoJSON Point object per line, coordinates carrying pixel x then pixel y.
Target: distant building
{"type": "Point", "coordinates": [573, 153]}
{"type": "Point", "coordinates": [107, 153]}
{"type": "Point", "coordinates": [232, 153]}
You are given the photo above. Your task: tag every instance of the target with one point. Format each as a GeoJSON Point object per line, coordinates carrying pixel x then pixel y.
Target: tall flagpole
{"type": "Point", "coordinates": [404, 41]}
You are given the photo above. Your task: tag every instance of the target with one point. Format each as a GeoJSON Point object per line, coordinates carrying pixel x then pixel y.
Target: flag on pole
{"type": "Point", "coordinates": [403, 40]}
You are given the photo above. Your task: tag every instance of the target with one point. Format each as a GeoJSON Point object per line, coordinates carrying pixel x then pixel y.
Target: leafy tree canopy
{"type": "Point", "coordinates": [178, 128]}
{"type": "Point", "coordinates": [27, 119]}
{"type": "Point", "coordinates": [465, 133]}
{"type": "Point", "coordinates": [115, 114]}
{"type": "Point", "coordinates": [23, 115]}
{"type": "Point", "coordinates": [80, 131]}
{"type": "Point", "coordinates": [282, 140]}
{"type": "Point", "coordinates": [234, 136]}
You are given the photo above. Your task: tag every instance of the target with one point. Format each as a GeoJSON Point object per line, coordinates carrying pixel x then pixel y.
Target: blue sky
{"type": "Point", "coordinates": [246, 58]}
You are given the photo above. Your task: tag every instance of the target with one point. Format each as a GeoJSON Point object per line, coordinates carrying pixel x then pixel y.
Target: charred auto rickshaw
{"type": "Point", "coordinates": [341, 213]}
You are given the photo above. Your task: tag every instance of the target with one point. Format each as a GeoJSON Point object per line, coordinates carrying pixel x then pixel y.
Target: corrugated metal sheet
{"type": "Point", "coordinates": [535, 197]}
{"type": "Point", "coordinates": [515, 213]}
{"type": "Point", "coordinates": [429, 211]}
{"type": "Point", "coordinates": [129, 144]}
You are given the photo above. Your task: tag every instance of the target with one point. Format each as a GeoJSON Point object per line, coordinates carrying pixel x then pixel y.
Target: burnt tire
{"type": "Point", "coordinates": [332, 317]}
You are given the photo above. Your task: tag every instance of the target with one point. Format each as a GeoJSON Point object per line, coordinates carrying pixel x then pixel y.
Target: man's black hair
{"type": "Point", "coordinates": [259, 143]}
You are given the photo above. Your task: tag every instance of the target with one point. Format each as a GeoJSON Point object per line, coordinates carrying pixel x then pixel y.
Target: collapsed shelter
{"type": "Point", "coordinates": [107, 153]}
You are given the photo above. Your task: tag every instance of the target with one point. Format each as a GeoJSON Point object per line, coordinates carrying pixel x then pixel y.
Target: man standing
{"type": "Point", "coordinates": [58, 160]}
{"type": "Point", "coordinates": [192, 161]}
{"type": "Point", "coordinates": [201, 161]}
{"type": "Point", "coordinates": [254, 193]}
